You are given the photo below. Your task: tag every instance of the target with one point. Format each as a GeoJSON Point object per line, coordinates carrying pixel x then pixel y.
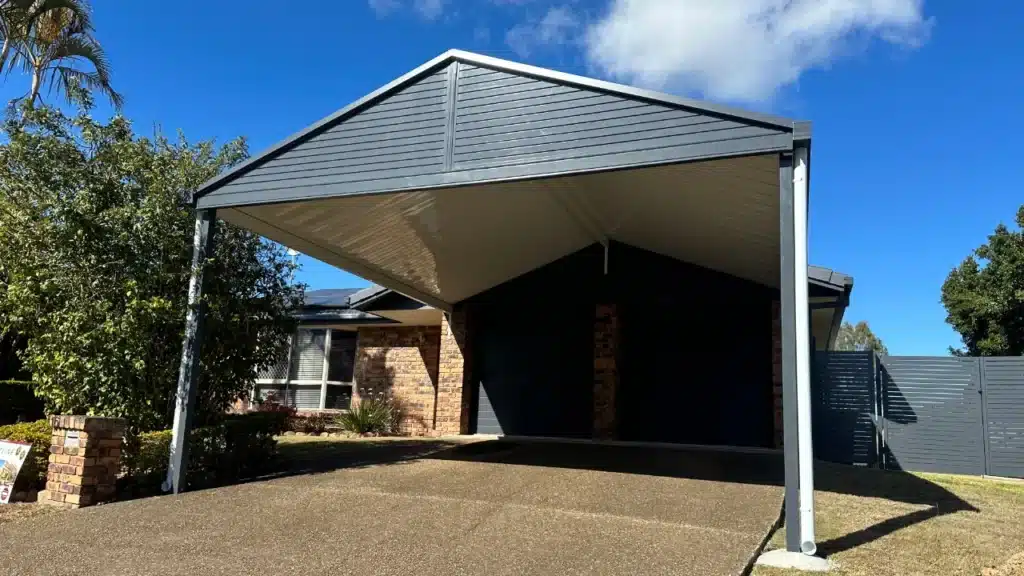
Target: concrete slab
{"type": "Point", "coordinates": [457, 512]}
{"type": "Point", "coordinates": [793, 561]}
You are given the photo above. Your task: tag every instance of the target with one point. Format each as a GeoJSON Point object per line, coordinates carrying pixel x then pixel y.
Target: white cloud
{"type": "Point", "coordinates": [558, 26]}
{"type": "Point", "coordinates": [384, 7]}
{"type": "Point", "coordinates": [741, 50]}
{"type": "Point", "coordinates": [482, 34]}
{"type": "Point", "coordinates": [428, 9]}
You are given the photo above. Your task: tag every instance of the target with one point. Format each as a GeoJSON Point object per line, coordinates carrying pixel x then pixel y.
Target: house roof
{"type": "Point", "coordinates": [331, 306]}
{"type": "Point", "coordinates": [828, 278]}
{"type": "Point", "coordinates": [364, 298]}
{"type": "Point", "coordinates": [800, 130]}
{"type": "Point", "coordinates": [330, 297]}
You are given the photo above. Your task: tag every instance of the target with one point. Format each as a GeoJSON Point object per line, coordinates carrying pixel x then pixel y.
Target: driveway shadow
{"type": "Point", "coordinates": [733, 467]}
{"type": "Point", "coordinates": [312, 457]}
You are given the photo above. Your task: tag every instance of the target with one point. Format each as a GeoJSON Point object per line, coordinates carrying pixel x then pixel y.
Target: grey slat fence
{"type": "Point", "coordinates": [845, 408]}
{"type": "Point", "coordinates": [920, 413]}
{"type": "Point", "coordinates": [1003, 381]}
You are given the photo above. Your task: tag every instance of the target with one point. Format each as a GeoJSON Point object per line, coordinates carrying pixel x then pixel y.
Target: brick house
{"type": "Point", "coordinates": [355, 342]}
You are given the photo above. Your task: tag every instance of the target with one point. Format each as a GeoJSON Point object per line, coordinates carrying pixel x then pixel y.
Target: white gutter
{"type": "Point", "coordinates": [803, 353]}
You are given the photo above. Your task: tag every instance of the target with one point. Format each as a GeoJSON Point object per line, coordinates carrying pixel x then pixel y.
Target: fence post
{"type": "Point", "coordinates": [882, 402]}
{"type": "Point", "coordinates": [979, 371]}
{"type": "Point", "coordinates": [876, 417]}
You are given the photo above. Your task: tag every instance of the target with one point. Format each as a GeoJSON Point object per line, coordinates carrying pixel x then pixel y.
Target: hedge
{"type": "Point", "coordinates": [33, 471]}
{"type": "Point", "coordinates": [238, 447]}
{"type": "Point", "coordinates": [18, 403]}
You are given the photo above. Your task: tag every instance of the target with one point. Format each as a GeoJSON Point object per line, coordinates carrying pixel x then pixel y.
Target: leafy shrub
{"type": "Point", "coordinates": [371, 416]}
{"type": "Point", "coordinates": [314, 423]}
{"type": "Point", "coordinates": [33, 471]}
{"type": "Point", "coordinates": [144, 459]}
{"type": "Point", "coordinates": [237, 447]}
{"type": "Point", "coordinates": [18, 403]}
{"type": "Point", "coordinates": [272, 404]}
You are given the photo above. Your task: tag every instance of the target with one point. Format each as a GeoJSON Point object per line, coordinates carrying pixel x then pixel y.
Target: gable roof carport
{"type": "Point", "coordinates": [470, 171]}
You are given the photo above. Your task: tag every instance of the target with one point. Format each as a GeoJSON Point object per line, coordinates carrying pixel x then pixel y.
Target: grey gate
{"type": "Point", "coordinates": [920, 413]}
{"type": "Point", "coordinates": [1003, 382]}
{"type": "Point", "coordinates": [932, 414]}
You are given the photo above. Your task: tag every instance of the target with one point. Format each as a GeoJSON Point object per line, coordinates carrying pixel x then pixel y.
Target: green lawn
{"type": "Point", "coordinates": [876, 523]}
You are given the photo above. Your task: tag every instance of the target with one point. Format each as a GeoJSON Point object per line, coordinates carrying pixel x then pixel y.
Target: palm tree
{"type": "Point", "coordinates": [50, 39]}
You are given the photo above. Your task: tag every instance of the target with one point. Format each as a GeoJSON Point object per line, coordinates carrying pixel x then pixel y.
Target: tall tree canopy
{"type": "Point", "coordinates": [53, 41]}
{"type": "Point", "coordinates": [984, 295]}
{"type": "Point", "coordinates": [859, 337]}
{"type": "Point", "coordinates": [96, 235]}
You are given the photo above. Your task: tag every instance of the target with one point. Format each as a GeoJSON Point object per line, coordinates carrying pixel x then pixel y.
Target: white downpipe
{"type": "Point", "coordinates": [803, 354]}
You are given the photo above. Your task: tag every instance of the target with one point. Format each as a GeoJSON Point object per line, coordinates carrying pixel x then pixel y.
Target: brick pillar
{"type": "Point", "coordinates": [451, 414]}
{"type": "Point", "coordinates": [85, 457]}
{"type": "Point", "coordinates": [777, 372]}
{"type": "Point", "coordinates": [606, 374]}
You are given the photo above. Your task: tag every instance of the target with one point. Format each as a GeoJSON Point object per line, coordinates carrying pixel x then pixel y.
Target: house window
{"type": "Point", "coordinates": [317, 373]}
{"type": "Point", "coordinates": [308, 350]}
{"type": "Point", "coordinates": [342, 357]}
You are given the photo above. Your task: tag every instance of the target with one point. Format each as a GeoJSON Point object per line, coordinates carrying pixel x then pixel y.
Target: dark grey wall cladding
{"type": "Point", "coordinates": [402, 135]}
{"type": "Point", "coordinates": [932, 410]}
{"type": "Point", "coordinates": [1004, 415]}
{"type": "Point", "coordinates": [486, 420]}
{"type": "Point", "coordinates": [504, 119]}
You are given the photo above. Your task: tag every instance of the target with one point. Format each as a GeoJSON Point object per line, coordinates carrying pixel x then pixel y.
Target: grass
{"type": "Point", "coordinates": [22, 510]}
{"type": "Point", "coordinates": [876, 523]}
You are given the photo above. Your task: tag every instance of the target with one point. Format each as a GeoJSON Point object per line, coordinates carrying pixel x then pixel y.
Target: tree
{"type": "Point", "coordinates": [984, 295]}
{"type": "Point", "coordinates": [51, 39]}
{"type": "Point", "coordinates": [96, 233]}
{"type": "Point", "coordinates": [859, 337]}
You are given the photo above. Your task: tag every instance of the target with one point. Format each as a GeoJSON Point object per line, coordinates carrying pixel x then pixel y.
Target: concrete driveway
{"type": "Point", "coordinates": [482, 508]}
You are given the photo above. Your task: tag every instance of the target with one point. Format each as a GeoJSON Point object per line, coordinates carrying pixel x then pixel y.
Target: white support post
{"type": "Point", "coordinates": [188, 375]}
{"type": "Point", "coordinates": [327, 366]}
{"type": "Point", "coordinates": [803, 351]}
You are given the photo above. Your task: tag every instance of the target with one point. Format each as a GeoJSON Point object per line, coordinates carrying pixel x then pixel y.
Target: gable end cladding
{"type": "Point", "coordinates": [465, 119]}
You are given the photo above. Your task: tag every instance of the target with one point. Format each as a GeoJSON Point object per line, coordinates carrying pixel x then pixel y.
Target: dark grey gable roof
{"type": "Point", "coordinates": [463, 118]}
{"type": "Point", "coordinates": [330, 297]}
{"type": "Point", "coordinates": [827, 278]}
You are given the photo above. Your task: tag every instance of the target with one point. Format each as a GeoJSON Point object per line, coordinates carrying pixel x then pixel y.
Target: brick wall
{"type": "Point", "coordinates": [85, 458]}
{"type": "Point", "coordinates": [777, 371]}
{"type": "Point", "coordinates": [606, 376]}
{"type": "Point", "coordinates": [400, 361]}
{"type": "Point", "coordinates": [452, 404]}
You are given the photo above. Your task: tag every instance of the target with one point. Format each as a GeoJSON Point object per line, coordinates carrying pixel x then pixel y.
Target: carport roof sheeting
{"type": "Point", "coordinates": [470, 171]}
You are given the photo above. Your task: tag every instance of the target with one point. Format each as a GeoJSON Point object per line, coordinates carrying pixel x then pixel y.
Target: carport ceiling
{"type": "Point", "coordinates": [453, 243]}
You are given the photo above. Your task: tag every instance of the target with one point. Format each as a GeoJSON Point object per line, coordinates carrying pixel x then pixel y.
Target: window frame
{"type": "Point", "coordinates": [323, 382]}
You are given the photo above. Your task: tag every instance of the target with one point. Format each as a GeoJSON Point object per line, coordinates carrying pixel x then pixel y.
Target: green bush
{"type": "Point", "coordinates": [371, 416]}
{"type": "Point", "coordinates": [240, 446]}
{"type": "Point", "coordinates": [33, 471]}
{"type": "Point", "coordinates": [144, 458]}
{"type": "Point", "coordinates": [311, 424]}
{"type": "Point", "coordinates": [18, 403]}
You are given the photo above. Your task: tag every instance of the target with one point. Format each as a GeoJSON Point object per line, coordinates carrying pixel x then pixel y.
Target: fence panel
{"type": "Point", "coordinates": [844, 408]}
{"type": "Point", "coordinates": [933, 414]}
{"type": "Point", "coordinates": [1004, 415]}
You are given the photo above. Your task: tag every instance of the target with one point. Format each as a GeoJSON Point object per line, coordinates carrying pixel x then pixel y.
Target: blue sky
{"type": "Point", "coordinates": [916, 107]}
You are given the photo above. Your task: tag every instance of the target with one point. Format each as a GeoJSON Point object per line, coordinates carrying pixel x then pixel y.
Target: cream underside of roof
{"type": "Point", "coordinates": [444, 245]}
